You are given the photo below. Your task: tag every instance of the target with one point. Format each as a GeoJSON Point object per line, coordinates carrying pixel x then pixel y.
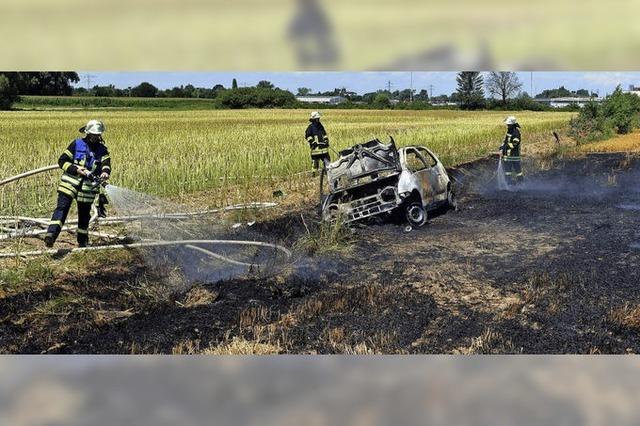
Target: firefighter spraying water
{"type": "Point", "coordinates": [511, 152]}
{"type": "Point", "coordinates": [509, 171]}
{"type": "Point", "coordinates": [87, 166]}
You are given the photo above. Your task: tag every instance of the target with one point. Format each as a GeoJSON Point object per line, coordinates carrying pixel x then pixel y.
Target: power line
{"type": "Point", "coordinates": [89, 78]}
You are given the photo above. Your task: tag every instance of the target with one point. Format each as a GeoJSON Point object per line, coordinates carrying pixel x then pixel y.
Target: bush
{"type": "Point", "coordinates": [256, 97]}
{"type": "Point", "coordinates": [622, 110]}
{"type": "Point", "coordinates": [8, 93]}
{"type": "Point", "coordinates": [521, 103]}
{"type": "Point", "coordinates": [619, 113]}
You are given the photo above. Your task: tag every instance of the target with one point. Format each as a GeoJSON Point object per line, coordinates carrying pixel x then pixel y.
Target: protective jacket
{"type": "Point", "coordinates": [511, 144]}
{"type": "Point", "coordinates": [511, 154]}
{"type": "Point", "coordinates": [317, 138]}
{"type": "Point", "coordinates": [93, 157]}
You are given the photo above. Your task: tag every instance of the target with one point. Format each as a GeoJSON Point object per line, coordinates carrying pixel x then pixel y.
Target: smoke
{"type": "Point", "coordinates": [151, 218]}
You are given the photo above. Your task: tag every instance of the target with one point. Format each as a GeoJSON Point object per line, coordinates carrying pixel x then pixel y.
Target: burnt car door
{"type": "Point", "coordinates": [419, 168]}
{"type": "Point", "coordinates": [437, 174]}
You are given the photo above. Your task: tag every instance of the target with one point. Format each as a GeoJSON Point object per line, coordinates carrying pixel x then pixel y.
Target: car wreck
{"type": "Point", "coordinates": [375, 179]}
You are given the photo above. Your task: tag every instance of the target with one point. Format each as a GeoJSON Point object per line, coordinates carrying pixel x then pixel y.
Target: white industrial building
{"type": "Point", "coordinates": [567, 101]}
{"type": "Point", "coordinates": [633, 89]}
{"type": "Point", "coordinates": [329, 100]}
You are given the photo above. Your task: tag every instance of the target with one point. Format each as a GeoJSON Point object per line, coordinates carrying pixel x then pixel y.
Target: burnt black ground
{"type": "Point", "coordinates": [539, 269]}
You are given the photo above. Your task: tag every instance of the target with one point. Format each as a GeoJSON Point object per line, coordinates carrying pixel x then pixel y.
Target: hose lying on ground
{"type": "Point", "coordinates": [18, 233]}
{"type": "Point", "coordinates": [186, 243]}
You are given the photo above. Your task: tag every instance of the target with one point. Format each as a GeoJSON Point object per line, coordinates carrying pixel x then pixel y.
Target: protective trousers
{"type": "Point", "coordinates": [513, 169]}
{"type": "Point", "coordinates": [318, 159]}
{"type": "Point", "coordinates": [60, 216]}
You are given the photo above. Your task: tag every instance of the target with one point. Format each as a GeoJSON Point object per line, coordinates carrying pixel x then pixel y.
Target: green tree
{"type": "Point", "coordinates": [234, 84]}
{"type": "Point", "coordinates": [8, 92]}
{"type": "Point", "coordinates": [255, 97]}
{"type": "Point", "coordinates": [382, 100]}
{"type": "Point", "coordinates": [264, 84]}
{"type": "Point", "coordinates": [469, 91]}
{"type": "Point", "coordinates": [145, 90]}
{"type": "Point", "coordinates": [44, 83]}
{"type": "Point", "coordinates": [303, 91]}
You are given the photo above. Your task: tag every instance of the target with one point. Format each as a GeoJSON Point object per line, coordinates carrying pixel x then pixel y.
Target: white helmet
{"type": "Point", "coordinates": [510, 120]}
{"type": "Point", "coordinates": [93, 127]}
{"type": "Point", "coordinates": [315, 115]}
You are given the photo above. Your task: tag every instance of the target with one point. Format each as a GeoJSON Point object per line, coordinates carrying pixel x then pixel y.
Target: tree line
{"type": "Point", "coordinates": [503, 88]}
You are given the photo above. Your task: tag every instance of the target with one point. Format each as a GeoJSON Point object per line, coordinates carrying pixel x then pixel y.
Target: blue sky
{"type": "Point", "coordinates": [361, 82]}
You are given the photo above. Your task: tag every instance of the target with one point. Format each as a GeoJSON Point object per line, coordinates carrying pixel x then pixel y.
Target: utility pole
{"type": "Point", "coordinates": [411, 88]}
{"type": "Point", "coordinates": [389, 86]}
{"type": "Point", "coordinates": [430, 91]}
{"type": "Point", "coordinates": [89, 78]}
{"type": "Point", "coordinates": [531, 91]}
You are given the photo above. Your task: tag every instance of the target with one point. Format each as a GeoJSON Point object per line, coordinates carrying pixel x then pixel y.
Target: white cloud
{"type": "Point", "coordinates": [612, 79]}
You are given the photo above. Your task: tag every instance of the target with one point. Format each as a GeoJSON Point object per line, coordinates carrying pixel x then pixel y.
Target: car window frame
{"type": "Point", "coordinates": [422, 150]}
{"type": "Point", "coordinates": [419, 156]}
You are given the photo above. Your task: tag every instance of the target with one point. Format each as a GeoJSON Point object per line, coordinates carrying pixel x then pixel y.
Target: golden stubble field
{"type": "Point", "coordinates": [173, 153]}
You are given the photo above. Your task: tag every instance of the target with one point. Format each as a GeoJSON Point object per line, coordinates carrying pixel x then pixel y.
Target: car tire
{"type": "Point", "coordinates": [452, 200]}
{"type": "Point", "coordinates": [415, 214]}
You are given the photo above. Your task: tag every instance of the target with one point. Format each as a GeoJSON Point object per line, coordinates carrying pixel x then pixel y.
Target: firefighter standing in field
{"type": "Point", "coordinates": [84, 158]}
{"type": "Point", "coordinates": [318, 141]}
{"type": "Point", "coordinates": [510, 152]}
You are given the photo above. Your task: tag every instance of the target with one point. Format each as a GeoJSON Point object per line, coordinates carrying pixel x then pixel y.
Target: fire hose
{"type": "Point", "coordinates": [4, 220]}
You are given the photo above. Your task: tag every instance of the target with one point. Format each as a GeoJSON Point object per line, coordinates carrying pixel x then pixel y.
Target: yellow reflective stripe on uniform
{"type": "Point", "coordinates": [68, 186]}
{"type": "Point", "coordinates": [106, 168]}
{"type": "Point", "coordinates": [70, 179]}
{"type": "Point", "coordinates": [66, 191]}
{"type": "Point", "coordinates": [56, 222]}
{"type": "Point", "coordinates": [516, 139]}
{"type": "Point", "coordinates": [106, 157]}
{"type": "Point", "coordinates": [68, 153]}
{"type": "Point", "coordinates": [510, 145]}
{"type": "Point", "coordinates": [82, 231]}
{"type": "Point", "coordinates": [66, 166]}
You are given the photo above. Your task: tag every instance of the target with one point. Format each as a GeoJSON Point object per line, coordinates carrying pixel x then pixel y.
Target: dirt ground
{"type": "Point", "coordinates": [549, 267]}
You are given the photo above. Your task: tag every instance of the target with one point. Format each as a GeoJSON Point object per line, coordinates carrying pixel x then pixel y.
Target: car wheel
{"type": "Point", "coordinates": [415, 214]}
{"type": "Point", "coordinates": [452, 200]}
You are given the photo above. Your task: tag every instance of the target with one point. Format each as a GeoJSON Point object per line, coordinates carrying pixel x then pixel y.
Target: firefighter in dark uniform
{"type": "Point", "coordinates": [84, 158]}
{"type": "Point", "coordinates": [318, 141]}
{"type": "Point", "coordinates": [510, 151]}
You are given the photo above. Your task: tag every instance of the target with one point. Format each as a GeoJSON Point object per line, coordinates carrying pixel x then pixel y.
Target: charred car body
{"type": "Point", "coordinates": [377, 179]}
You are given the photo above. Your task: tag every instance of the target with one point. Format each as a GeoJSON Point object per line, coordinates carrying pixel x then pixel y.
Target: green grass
{"type": "Point", "coordinates": [91, 102]}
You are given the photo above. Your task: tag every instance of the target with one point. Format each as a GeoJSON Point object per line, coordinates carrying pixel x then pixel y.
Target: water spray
{"type": "Point", "coordinates": [501, 179]}
{"type": "Point", "coordinates": [24, 227]}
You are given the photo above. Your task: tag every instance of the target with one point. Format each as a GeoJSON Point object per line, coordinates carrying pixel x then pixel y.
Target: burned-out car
{"type": "Point", "coordinates": [377, 179]}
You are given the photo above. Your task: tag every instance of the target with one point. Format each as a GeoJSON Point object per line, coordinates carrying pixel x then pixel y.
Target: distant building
{"type": "Point", "coordinates": [567, 101]}
{"type": "Point", "coordinates": [329, 100]}
{"type": "Point", "coordinates": [633, 89]}
{"type": "Point", "coordinates": [443, 103]}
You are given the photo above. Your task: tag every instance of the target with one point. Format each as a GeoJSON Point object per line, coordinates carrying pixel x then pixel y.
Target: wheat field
{"type": "Point", "coordinates": [172, 153]}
